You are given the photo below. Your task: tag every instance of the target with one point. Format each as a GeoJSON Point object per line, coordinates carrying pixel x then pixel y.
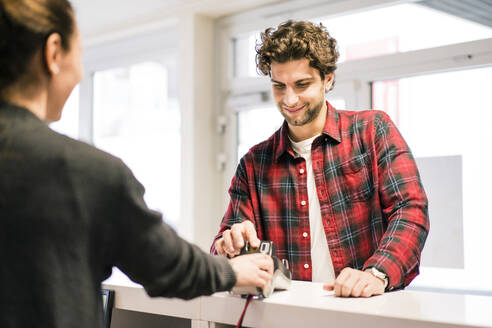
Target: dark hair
{"type": "Point", "coordinates": [24, 27]}
{"type": "Point", "coordinates": [296, 40]}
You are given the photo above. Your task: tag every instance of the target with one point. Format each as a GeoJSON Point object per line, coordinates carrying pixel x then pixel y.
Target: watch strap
{"type": "Point", "coordinates": [378, 274]}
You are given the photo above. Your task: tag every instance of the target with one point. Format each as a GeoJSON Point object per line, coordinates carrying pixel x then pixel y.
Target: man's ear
{"type": "Point", "coordinates": [329, 78]}
{"type": "Point", "coordinates": [52, 53]}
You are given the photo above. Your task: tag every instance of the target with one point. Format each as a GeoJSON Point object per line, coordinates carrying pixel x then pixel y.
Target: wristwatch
{"type": "Point", "coordinates": [378, 274]}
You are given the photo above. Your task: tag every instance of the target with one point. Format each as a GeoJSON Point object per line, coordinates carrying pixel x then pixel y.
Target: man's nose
{"type": "Point", "coordinates": [290, 97]}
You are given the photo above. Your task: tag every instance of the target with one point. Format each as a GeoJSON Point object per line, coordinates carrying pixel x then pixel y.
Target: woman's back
{"type": "Point", "coordinates": [55, 235]}
{"type": "Point", "coordinates": [68, 214]}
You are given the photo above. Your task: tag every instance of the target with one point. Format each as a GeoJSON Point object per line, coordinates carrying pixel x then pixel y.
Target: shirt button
{"type": "Point", "coordinates": [303, 203]}
{"type": "Point", "coordinates": [301, 171]}
{"type": "Point", "coordinates": [304, 234]}
{"type": "Point", "coordinates": [306, 266]}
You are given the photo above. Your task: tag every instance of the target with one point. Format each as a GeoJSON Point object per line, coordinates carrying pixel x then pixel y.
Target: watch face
{"type": "Point", "coordinates": [378, 273]}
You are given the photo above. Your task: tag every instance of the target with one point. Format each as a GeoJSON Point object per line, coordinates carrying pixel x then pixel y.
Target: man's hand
{"type": "Point", "coordinates": [252, 270]}
{"type": "Point", "coordinates": [356, 283]}
{"type": "Point", "coordinates": [234, 239]}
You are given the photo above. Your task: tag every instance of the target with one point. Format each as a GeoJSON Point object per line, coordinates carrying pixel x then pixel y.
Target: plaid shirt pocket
{"type": "Point", "coordinates": [357, 179]}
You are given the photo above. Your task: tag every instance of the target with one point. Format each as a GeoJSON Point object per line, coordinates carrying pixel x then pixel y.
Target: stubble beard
{"type": "Point", "coordinates": [309, 116]}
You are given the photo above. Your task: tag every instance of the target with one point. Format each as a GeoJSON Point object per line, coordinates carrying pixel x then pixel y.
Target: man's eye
{"type": "Point", "coordinates": [278, 86]}
{"type": "Point", "coordinates": [303, 85]}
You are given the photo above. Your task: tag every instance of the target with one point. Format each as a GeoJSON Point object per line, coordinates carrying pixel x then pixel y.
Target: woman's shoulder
{"type": "Point", "coordinates": [88, 159]}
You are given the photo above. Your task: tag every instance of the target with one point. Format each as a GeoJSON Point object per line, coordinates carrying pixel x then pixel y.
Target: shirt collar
{"type": "Point", "coordinates": [331, 129]}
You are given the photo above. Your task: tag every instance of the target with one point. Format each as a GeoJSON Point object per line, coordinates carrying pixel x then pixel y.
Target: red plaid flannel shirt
{"type": "Point", "coordinates": [373, 205]}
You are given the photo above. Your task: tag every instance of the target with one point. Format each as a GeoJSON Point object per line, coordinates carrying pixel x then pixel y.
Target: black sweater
{"type": "Point", "coordinates": [69, 213]}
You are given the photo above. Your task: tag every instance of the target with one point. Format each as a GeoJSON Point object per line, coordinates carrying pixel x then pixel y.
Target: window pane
{"type": "Point", "coordinates": [399, 28]}
{"type": "Point", "coordinates": [245, 54]}
{"type": "Point", "coordinates": [69, 122]}
{"type": "Point", "coordinates": [137, 118]}
{"type": "Point", "coordinates": [445, 118]}
{"type": "Point", "coordinates": [256, 125]}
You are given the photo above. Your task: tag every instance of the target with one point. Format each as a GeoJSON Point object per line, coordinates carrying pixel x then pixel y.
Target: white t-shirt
{"type": "Point", "coordinates": [322, 265]}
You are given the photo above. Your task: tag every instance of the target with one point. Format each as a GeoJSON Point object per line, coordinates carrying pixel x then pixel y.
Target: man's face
{"type": "Point", "coordinates": [298, 90]}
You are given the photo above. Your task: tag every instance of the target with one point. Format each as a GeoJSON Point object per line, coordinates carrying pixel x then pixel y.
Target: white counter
{"type": "Point", "coordinates": [308, 305]}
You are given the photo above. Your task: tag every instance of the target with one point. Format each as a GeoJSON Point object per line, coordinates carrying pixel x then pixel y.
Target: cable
{"type": "Point", "coordinates": [240, 322]}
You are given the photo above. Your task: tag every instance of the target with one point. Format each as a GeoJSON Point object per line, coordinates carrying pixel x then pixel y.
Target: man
{"type": "Point", "coordinates": [338, 192]}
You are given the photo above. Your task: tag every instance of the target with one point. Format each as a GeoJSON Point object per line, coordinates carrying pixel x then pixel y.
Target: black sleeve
{"type": "Point", "coordinates": [152, 254]}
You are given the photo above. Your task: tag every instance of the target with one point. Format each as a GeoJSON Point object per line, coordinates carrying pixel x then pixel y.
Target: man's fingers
{"type": "Point", "coordinates": [355, 283]}
{"type": "Point", "coordinates": [234, 238]}
{"type": "Point", "coordinates": [349, 285]}
{"type": "Point", "coordinates": [237, 236]}
{"type": "Point", "coordinates": [250, 233]}
{"type": "Point", "coordinates": [340, 282]}
{"type": "Point", "coordinates": [338, 287]}
{"type": "Point", "coordinates": [346, 288]}
{"type": "Point", "coordinates": [219, 246]}
{"type": "Point", "coordinates": [359, 287]}
{"type": "Point", "coordinates": [367, 291]}
{"type": "Point", "coordinates": [329, 286]}
{"type": "Point", "coordinates": [228, 247]}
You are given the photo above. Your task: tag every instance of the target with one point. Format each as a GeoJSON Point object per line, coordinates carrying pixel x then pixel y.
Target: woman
{"type": "Point", "coordinates": [70, 212]}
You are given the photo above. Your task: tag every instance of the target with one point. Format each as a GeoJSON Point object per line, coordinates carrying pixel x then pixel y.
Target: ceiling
{"type": "Point", "coordinates": [97, 17]}
{"type": "Point", "coordinates": [103, 17]}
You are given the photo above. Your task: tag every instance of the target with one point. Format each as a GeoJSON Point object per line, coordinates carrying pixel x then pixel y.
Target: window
{"type": "Point", "coordinates": [69, 122]}
{"type": "Point", "coordinates": [137, 118]}
{"type": "Point", "coordinates": [399, 28]}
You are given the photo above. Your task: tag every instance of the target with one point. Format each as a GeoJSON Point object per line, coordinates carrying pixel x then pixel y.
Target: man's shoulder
{"type": "Point", "coordinates": [363, 121]}
{"type": "Point", "coordinates": [371, 115]}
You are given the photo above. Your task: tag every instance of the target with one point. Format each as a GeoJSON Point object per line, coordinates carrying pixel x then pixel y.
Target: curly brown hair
{"type": "Point", "coordinates": [295, 40]}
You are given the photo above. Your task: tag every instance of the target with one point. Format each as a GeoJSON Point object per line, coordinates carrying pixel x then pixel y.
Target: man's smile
{"type": "Point", "coordinates": [293, 110]}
